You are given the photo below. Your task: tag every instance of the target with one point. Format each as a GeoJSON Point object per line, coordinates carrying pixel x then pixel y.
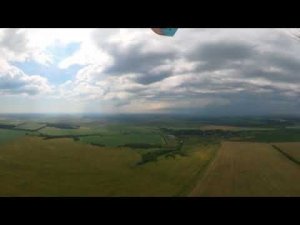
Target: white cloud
{"type": "Point", "coordinates": [135, 70]}
{"type": "Point", "coordinates": [14, 81]}
{"type": "Point", "coordinates": [90, 53]}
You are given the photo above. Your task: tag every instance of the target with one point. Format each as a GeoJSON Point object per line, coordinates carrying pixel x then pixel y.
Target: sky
{"type": "Point", "coordinates": [198, 71]}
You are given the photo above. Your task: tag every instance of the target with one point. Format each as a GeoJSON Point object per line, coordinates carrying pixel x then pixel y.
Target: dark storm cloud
{"type": "Point", "coordinates": [149, 78]}
{"type": "Point", "coordinates": [275, 67]}
{"type": "Point", "coordinates": [246, 61]}
{"type": "Point", "coordinates": [243, 103]}
{"type": "Point", "coordinates": [285, 62]}
{"type": "Point", "coordinates": [221, 54]}
{"type": "Point", "coordinates": [247, 103]}
{"type": "Point", "coordinates": [134, 60]}
{"type": "Point", "coordinates": [250, 78]}
{"type": "Point", "coordinates": [222, 50]}
{"type": "Point", "coordinates": [218, 55]}
{"type": "Point", "coordinates": [283, 76]}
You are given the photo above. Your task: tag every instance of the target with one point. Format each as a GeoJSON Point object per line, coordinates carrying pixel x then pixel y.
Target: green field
{"type": "Point", "coordinates": [52, 131]}
{"type": "Point", "coordinates": [129, 129]}
{"type": "Point", "coordinates": [10, 122]}
{"type": "Point", "coordinates": [111, 136]}
{"type": "Point", "coordinates": [235, 128]}
{"type": "Point", "coordinates": [32, 166]}
{"type": "Point", "coordinates": [30, 126]}
{"type": "Point", "coordinates": [278, 135]}
{"type": "Point", "coordinates": [122, 139]}
{"type": "Point", "coordinates": [62, 156]}
{"type": "Point", "coordinates": [9, 135]}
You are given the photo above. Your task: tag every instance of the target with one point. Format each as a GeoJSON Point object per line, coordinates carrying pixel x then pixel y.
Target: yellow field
{"type": "Point", "coordinates": [291, 148]}
{"type": "Point", "coordinates": [31, 166]}
{"type": "Point", "coordinates": [218, 127]}
{"type": "Point", "coordinates": [249, 169]}
{"type": "Point", "coordinates": [232, 128]}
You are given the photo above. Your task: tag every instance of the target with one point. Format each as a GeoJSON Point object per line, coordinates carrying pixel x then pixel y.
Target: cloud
{"type": "Point", "coordinates": [133, 60]}
{"type": "Point", "coordinates": [14, 81]}
{"type": "Point", "coordinates": [15, 45]}
{"type": "Point", "coordinates": [14, 40]}
{"type": "Point", "coordinates": [206, 71]}
{"type": "Point", "coordinates": [227, 71]}
{"type": "Point", "coordinates": [222, 51]}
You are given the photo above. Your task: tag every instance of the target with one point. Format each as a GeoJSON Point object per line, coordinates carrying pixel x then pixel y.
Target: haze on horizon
{"type": "Point", "coordinates": [202, 71]}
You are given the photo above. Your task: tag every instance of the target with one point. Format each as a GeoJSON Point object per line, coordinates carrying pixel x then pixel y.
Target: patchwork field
{"type": "Point", "coordinates": [32, 166]}
{"type": "Point", "coordinates": [10, 122]}
{"type": "Point", "coordinates": [148, 156]}
{"type": "Point", "coordinates": [30, 126]}
{"type": "Point", "coordinates": [233, 128]}
{"type": "Point", "coordinates": [249, 169]}
{"type": "Point", "coordinates": [53, 131]}
{"type": "Point", "coordinates": [218, 127]}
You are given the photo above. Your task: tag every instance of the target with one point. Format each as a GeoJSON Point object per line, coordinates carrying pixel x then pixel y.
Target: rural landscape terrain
{"type": "Point", "coordinates": [141, 112]}
{"type": "Point", "coordinates": [148, 155]}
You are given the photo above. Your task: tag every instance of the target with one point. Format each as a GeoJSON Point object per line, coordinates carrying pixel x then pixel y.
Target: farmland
{"type": "Point", "coordinates": [9, 135]}
{"type": "Point", "coordinates": [146, 155]}
{"type": "Point", "coordinates": [235, 128]}
{"type": "Point", "coordinates": [249, 169]}
{"type": "Point", "coordinates": [292, 149]}
{"type": "Point", "coordinates": [119, 140]}
{"type": "Point", "coordinates": [62, 167]}
{"type": "Point", "coordinates": [30, 126]}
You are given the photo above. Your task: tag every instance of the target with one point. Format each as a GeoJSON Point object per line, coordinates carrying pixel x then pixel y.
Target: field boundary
{"type": "Point", "coordinates": [210, 165]}
{"type": "Point", "coordinates": [291, 158]}
{"type": "Point", "coordinates": [201, 173]}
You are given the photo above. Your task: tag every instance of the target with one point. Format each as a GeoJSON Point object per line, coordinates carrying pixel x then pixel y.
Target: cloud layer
{"type": "Point", "coordinates": [204, 71]}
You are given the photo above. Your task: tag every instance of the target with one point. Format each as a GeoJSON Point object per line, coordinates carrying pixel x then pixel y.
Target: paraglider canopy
{"type": "Point", "coordinates": [165, 31]}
